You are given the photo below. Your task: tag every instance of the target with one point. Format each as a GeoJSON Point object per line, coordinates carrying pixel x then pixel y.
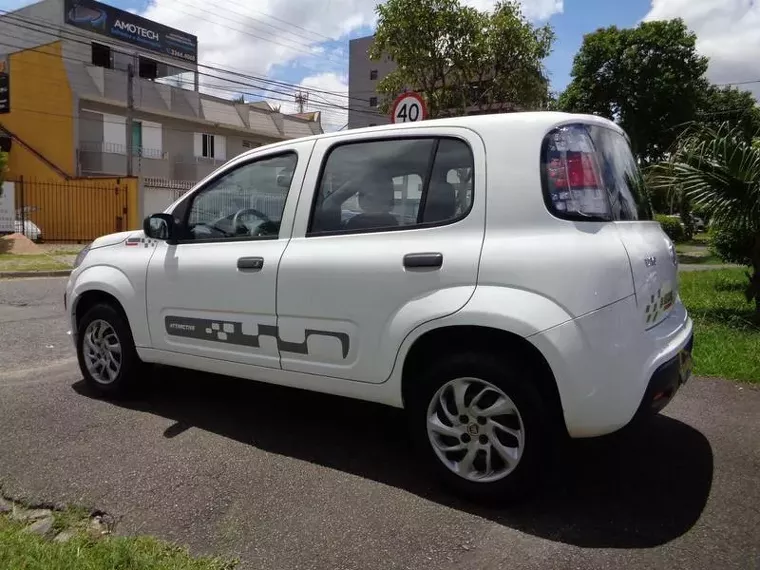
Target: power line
{"type": "Point", "coordinates": [41, 26]}
{"type": "Point", "coordinates": [283, 21]}
{"type": "Point", "coordinates": [738, 83]}
{"type": "Point", "coordinates": [46, 28]}
{"type": "Point", "coordinates": [325, 107]}
{"type": "Point", "coordinates": [293, 45]}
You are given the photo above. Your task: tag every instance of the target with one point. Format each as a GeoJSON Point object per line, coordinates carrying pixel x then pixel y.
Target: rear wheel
{"type": "Point", "coordinates": [479, 421]}
{"type": "Point", "coordinates": [106, 352]}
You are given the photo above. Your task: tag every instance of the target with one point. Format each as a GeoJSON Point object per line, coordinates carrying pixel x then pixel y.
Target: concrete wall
{"type": "Point", "coordinates": [361, 87]}
{"type": "Point", "coordinates": [156, 200]}
{"type": "Point", "coordinates": [177, 143]}
{"type": "Point", "coordinates": [30, 32]}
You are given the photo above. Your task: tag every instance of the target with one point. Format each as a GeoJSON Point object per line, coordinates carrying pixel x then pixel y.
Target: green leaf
{"type": "Point", "coordinates": [460, 58]}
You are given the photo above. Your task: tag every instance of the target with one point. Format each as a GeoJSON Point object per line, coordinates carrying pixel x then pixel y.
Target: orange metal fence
{"type": "Point", "coordinates": [71, 210]}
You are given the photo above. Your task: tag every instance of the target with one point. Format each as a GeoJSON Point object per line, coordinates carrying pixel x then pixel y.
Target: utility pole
{"type": "Point", "coordinates": [130, 109]}
{"type": "Point", "coordinates": [301, 100]}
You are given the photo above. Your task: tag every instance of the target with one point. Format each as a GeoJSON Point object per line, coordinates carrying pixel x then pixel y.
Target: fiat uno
{"type": "Point", "coordinates": [499, 278]}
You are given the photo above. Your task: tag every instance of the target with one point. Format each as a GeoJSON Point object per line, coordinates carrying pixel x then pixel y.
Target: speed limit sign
{"type": "Point", "coordinates": [408, 108]}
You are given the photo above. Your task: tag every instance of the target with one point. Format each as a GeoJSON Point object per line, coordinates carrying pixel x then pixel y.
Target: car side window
{"type": "Point", "coordinates": [383, 185]}
{"type": "Point", "coordinates": [621, 175]}
{"type": "Point", "coordinates": [244, 203]}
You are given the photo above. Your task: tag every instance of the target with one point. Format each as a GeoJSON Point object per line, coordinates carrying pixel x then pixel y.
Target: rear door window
{"type": "Point", "coordinates": [393, 184]}
{"type": "Point", "coordinates": [589, 174]}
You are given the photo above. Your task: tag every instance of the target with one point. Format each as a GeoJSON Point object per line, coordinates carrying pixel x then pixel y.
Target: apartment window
{"type": "Point", "coordinates": [208, 146]}
{"type": "Point", "coordinates": [148, 68]}
{"type": "Point", "coordinates": [373, 74]}
{"type": "Point", "coordinates": [101, 56]}
{"type": "Point", "coordinates": [373, 101]}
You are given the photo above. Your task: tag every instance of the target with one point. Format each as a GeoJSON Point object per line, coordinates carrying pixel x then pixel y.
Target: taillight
{"type": "Point", "coordinates": [580, 171]}
{"type": "Point", "coordinates": [573, 176]}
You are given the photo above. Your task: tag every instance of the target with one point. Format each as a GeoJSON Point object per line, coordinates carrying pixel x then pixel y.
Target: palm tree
{"type": "Point", "coordinates": [719, 172]}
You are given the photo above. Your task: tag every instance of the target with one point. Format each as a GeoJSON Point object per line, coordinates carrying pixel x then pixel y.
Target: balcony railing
{"type": "Point", "coordinates": [115, 148]}
{"type": "Point", "coordinates": [185, 159]}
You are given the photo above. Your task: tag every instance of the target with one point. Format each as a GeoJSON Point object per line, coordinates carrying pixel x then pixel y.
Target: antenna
{"type": "Point", "coordinates": [302, 99]}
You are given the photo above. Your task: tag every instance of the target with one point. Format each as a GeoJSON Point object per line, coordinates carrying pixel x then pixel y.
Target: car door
{"type": "Point", "coordinates": [387, 236]}
{"type": "Point", "coordinates": [212, 294]}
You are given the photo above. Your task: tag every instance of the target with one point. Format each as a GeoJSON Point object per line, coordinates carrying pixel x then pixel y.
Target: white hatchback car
{"type": "Point", "coordinates": [498, 277]}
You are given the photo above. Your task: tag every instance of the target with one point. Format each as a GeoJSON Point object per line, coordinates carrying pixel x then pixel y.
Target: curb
{"type": "Point", "coordinates": [21, 274]}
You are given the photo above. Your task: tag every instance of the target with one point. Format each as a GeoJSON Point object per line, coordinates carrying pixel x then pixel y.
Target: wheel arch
{"type": "Point", "coordinates": [92, 297]}
{"type": "Point", "coordinates": [446, 339]}
{"type": "Point", "coordinates": [110, 285]}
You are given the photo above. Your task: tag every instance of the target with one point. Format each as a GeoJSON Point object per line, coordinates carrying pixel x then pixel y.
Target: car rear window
{"type": "Point", "coordinates": [589, 173]}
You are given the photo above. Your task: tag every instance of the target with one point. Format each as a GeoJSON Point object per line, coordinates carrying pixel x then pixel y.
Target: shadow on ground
{"type": "Point", "coordinates": [634, 490]}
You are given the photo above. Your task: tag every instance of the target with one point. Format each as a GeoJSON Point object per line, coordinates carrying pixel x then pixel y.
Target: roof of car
{"type": "Point", "coordinates": [542, 120]}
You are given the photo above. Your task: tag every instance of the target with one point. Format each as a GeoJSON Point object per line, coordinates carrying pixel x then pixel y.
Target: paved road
{"type": "Point", "coordinates": [289, 480]}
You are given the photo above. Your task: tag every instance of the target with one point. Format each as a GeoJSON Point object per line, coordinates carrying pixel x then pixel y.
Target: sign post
{"type": "Point", "coordinates": [408, 108]}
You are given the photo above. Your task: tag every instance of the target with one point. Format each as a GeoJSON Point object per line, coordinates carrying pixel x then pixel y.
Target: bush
{"type": "Point", "coordinates": [672, 226]}
{"type": "Point", "coordinates": [731, 245]}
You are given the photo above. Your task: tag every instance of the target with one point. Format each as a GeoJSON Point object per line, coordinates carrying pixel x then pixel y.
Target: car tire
{"type": "Point", "coordinates": [505, 381]}
{"type": "Point", "coordinates": [106, 352]}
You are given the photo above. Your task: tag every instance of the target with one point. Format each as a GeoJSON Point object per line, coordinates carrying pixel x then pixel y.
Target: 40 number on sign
{"type": "Point", "coordinates": [408, 108]}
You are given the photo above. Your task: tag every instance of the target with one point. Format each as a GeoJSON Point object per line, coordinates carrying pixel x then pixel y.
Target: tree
{"type": "Point", "coordinates": [458, 57]}
{"type": "Point", "coordinates": [649, 79]}
{"type": "Point", "coordinates": [719, 170]}
{"type": "Point", "coordinates": [730, 105]}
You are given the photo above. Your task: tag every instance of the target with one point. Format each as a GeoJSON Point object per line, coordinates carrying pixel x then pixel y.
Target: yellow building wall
{"type": "Point", "coordinates": [42, 107]}
{"type": "Point", "coordinates": [42, 157]}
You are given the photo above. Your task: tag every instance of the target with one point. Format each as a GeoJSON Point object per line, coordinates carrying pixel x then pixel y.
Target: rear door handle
{"type": "Point", "coordinates": [412, 260]}
{"type": "Point", "coordinates": [250, 263]}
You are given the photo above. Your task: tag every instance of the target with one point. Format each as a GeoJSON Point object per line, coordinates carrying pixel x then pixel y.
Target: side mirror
{"type": "Point", "coordinates": [160, 226]}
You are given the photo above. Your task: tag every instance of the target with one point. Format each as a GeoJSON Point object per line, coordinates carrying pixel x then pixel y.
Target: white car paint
{"type": "Point", "coordinates": [577, 291]}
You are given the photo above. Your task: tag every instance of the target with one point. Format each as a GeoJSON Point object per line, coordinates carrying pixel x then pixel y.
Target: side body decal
{"type": "Point", "coordinates": [232, 333]}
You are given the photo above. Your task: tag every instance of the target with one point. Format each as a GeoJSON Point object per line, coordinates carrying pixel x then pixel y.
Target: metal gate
{"type": "Point", "coordinates": [71, 210]}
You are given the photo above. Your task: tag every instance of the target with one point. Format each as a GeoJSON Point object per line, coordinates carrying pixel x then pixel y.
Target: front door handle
{"type": "Point", "coordinates": [415, 260]}
{"type": "Point", "coordinates": [250, 263]}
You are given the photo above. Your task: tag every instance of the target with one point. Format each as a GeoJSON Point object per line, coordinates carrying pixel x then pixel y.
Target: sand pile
{"type": "Point", "coordinates": [18, 244]}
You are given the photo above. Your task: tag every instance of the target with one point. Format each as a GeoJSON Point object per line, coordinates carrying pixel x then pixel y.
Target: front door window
{"type": "Point", "coordinates": [247, 202]}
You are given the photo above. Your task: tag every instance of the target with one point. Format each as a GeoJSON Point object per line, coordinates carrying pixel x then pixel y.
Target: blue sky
{"type": "Point", "coordinates": [581, 17]}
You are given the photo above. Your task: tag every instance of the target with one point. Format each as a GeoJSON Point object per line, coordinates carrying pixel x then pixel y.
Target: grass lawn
{"type": "Point", "coordinates": [21, 550]}
{"type": "Point", "coordinates": [697, 251]}
{"type": "Point", "coordinates": [726, 343]}
{"type": "Point", "coordinates": [698, 257]}
{"type": "Point", "coordinates": [41, 262]}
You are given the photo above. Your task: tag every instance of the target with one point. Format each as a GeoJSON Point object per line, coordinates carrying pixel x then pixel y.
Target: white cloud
{"type": "Point", "coordinates": [532, 9]}
{"type": "Point", "coordinates": [728, 32]}
{"type": "Point", "coordinates": [331, 105]}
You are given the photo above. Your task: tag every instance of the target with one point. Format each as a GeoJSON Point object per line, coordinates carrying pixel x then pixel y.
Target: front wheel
{"type": "Point", "coordinates": [479, 421]}
{"type": "Point", "coordinates": [106, 352]}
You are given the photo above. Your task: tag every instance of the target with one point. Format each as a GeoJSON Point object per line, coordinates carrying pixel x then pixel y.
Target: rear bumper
{"type": "Point", "coordinates": [666, 381]}
{"type": "Point", "coordinates": [607, 367]}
